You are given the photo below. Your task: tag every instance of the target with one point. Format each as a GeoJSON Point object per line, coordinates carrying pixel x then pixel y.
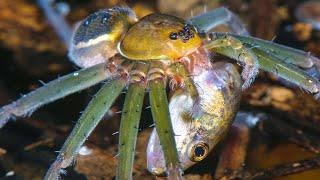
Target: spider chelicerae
{"type": "Point", "coordinates": [114, 47]}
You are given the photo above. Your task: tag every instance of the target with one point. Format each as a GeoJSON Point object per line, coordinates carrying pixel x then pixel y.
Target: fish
{"type": "Point", "coordinates": [199, 123]}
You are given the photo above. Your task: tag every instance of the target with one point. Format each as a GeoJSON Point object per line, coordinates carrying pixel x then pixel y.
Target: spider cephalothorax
{"type": "Point", "coordinates": [160, 37]}
{"type": "Point", "coordinates": [113, 46]}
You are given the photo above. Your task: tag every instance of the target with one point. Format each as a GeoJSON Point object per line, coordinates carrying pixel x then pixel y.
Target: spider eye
{"type": "Point", "coordinates": [174, 36]}
{"type": "Point", "coordinates": [199, 151]}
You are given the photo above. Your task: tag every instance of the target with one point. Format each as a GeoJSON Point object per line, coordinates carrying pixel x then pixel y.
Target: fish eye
{"type": "Point", "coordinates": [199, 151]}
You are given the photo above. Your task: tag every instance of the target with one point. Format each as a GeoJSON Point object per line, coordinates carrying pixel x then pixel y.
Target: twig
{"type": "Point", "coordinates": [38, 143]}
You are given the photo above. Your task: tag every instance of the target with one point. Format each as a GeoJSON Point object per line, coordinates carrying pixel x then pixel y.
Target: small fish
{"type": "Point", "coordinates": [199, 124]}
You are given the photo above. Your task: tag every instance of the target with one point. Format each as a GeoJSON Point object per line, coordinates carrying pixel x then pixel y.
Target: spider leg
{"type": "Point", "coordinates": [57, 21]}
{"type": "Point", "coordinates": [272, 63]}
{"type": "Point", "coordinates": [233, 48]}
{"type": "Point", "coordinates": [289, 55]}
{"type": "Point", "coordinates": [289, 72]}
{"type": "Point", "coordinates": [187, 82]}
{"type": "Point", "coordinates": [96, 109]}
{"type": "Point", "coordinates": [54, 90]}
{"type": "Point", "coordinates": [161, 116]}
{"type": "Point", "coordinates": [207, 21]}
{"type": "Point", "coordinates": [130, 121]}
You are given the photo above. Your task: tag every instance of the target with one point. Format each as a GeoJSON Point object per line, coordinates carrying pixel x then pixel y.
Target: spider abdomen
{"type": "Point", "coordinates": [95, 39]}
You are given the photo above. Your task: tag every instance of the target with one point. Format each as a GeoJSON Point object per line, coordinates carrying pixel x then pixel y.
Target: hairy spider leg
{"type": "Point", "coordinates": [289, 55]}
{"type": "Point", "coordinates": [209, 20]}
{"type": "Point", "coordinates": [180, 72]}
{"type": "Point", "coordinates": [277, 59]}
{"type": "Point", "coordinates": [89, 119]}
{"type": "Point", "coordinates": [289, 72]}
{"type": "Point", "coordinates": [161, 116]}
{"type": "Point", "coordinates": [130, 117]}
{"type": "Point", "coordinates": [54, 90]}
{"type": "Point", "coordinates": [233, 48]}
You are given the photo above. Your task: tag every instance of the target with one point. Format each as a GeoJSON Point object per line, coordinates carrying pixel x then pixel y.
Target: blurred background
{"type": "Point", "coordinates": [30, 51]}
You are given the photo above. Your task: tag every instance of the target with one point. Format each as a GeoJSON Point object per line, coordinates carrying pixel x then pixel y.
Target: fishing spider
{"type": "Point", "coordinates": [114, 47]}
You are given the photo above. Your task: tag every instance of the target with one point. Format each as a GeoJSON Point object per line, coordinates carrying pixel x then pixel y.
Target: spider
{"type": "Point", "coordinates": [114, 47]}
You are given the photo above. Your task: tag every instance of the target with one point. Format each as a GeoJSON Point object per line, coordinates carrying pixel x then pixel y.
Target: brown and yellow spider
{"type": "Point", "coordinates": [114, 47]}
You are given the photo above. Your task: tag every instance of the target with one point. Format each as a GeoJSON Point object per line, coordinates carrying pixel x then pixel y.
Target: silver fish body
{"type": "Point", "coordinates": [199, 124]}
